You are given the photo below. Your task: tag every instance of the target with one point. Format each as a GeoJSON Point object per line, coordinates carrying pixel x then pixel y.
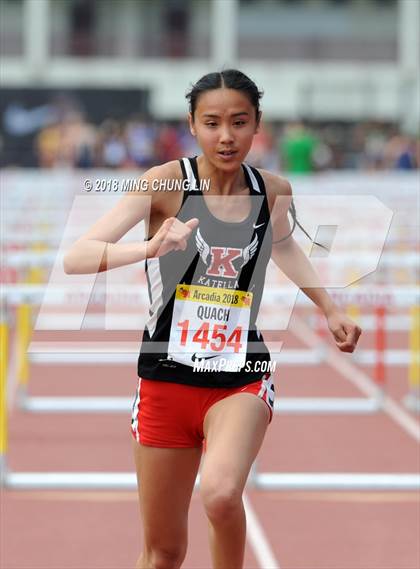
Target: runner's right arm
{"type": "Point", "coordinates": [97, 250]}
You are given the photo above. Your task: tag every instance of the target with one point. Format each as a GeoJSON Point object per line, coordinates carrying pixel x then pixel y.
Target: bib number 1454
{"type": "Point", "coordinates": [212, 337]}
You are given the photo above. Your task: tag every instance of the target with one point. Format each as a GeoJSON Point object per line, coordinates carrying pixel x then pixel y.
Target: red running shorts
{"type": "Point", "coordinates": [171, 415]}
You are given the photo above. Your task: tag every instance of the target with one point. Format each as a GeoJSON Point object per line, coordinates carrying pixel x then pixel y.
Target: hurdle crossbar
{"type": "Point", "coordinates": [285, 405]}
{"type": "Point", "coordinates": [261, 481]}
{"type": "Point", "coordinates": [289, 357]}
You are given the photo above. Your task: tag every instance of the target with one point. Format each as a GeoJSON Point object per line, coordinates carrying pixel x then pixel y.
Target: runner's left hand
{"type": "Point", "coordinates": [346, 333]}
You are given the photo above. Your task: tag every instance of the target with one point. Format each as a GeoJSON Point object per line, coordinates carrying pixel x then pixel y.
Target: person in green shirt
{"type": "Point", "coordinates": [297, 149]}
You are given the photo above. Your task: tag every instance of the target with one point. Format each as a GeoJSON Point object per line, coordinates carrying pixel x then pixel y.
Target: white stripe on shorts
{"type": "Point", "coordinates": [267, 390]}
{"type": "Point", "coordinates": [135, 413]}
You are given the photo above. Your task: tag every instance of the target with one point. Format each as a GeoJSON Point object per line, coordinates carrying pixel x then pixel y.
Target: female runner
{"type": "Point", "coordinates": [201, 384]}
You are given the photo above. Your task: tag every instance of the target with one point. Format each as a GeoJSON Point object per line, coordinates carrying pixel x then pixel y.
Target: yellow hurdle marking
{"type": "Point", "coordinates": [414, 367]}
{"type": "Point", "coordinates": [353, 311]}
{"type": "Point", "coordinates": [23, 333]}
{"type": "Point", "coordinates": [4, 356]}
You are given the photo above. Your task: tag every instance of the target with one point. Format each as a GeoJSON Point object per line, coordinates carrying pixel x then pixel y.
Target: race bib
{"type": "Point", "coordinates": [209, 323]}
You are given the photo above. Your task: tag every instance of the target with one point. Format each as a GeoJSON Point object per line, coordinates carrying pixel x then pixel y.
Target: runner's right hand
{"type": "Point", "coordinates": [172, 235]}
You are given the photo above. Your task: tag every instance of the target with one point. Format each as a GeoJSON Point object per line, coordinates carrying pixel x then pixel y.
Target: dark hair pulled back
{"type": "Point", "coordinates": [229, 79]}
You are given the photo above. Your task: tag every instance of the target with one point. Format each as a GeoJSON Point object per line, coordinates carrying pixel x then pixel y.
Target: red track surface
{"type": "Point", "coordinates": [306, 530]}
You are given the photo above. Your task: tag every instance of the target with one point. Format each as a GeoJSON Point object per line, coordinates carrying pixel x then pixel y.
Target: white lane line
{"type": "Point", "coordinates": [360, 379]}
{"type": "Point", "coordinates": [258, 540]}
{"type": "Point", "coordinates": [402, 417]}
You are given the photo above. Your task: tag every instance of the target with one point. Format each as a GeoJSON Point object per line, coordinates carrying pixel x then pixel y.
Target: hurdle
{"type": "Point", "coordinates": [126, 354]}
{"type": "Point", "coordinates": [297, 481]}
{"type": "Point", "coordinates": [11, 480]}
{"type": "Point", "coordinates": [120, 481]}
{"type": "Point", "coordinates": [65, 354]}
{"type": "Point", "coordinates": [52, 355]}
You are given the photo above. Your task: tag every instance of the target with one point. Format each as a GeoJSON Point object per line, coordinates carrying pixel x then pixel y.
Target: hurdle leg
{"type": "Point", "coordinates": [23, 332]}
{"type": "Point", "coordinates": [4, 358]}
{"type": "Point", "coordinates": [34, 276]}
{"type": "Point", "coordinates": [412, 399]}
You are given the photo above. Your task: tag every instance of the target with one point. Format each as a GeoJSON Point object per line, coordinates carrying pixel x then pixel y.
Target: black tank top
{"type": "Point", "coordinates": [204, 301]}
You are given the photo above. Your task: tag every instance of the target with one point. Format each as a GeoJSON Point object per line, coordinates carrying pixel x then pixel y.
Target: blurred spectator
{"type": "Point", "coordinates": [141, 138]}
{"type": "Point", "coordinates": [112, 145]}
{"type": "Point", "coordinates": [297, 149]}
{"type": "Point", "coordinates": [400, 153]}
{"type": "Point", "coordinates": [354, 155]}
{"type": "Point", "coordinates": [322, 156]}
{"type": "Point", "coordinates": [78, 141]}
{"type": "Point", "coordinates": [69, 143]}
{"type": "Point", "coordinates": [375, 140]}
{"type": "Point", "coordinates": [168, 145]}
{"type": "Point", "coordinates": [47, 145]}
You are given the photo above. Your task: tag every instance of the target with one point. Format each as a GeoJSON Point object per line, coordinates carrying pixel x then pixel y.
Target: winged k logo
{"type": "Point", "coordinates": [219, 260]}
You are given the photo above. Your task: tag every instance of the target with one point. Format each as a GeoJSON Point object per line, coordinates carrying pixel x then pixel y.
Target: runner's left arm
{"type": "Point", "coordinates": [294, 263]}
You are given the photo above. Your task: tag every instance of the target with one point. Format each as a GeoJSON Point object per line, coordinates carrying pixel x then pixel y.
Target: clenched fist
{"type": "Point", "coordinates": [345, 332]}
{"type": "Point", "coordinates": [171, 236]}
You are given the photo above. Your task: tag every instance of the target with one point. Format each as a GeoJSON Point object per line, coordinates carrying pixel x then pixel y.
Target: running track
{"type": "Point", "coordinates": [291, 530]}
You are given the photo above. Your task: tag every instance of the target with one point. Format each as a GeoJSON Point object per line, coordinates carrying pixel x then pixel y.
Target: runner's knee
{"type": "Point", "coordinates": [169, 557]}
{"type": "Point", "coordinates": [220, 501]}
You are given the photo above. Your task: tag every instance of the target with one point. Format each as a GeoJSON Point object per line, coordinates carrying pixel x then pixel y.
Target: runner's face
{"type": "Point", "coordinates": [224, 124]}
